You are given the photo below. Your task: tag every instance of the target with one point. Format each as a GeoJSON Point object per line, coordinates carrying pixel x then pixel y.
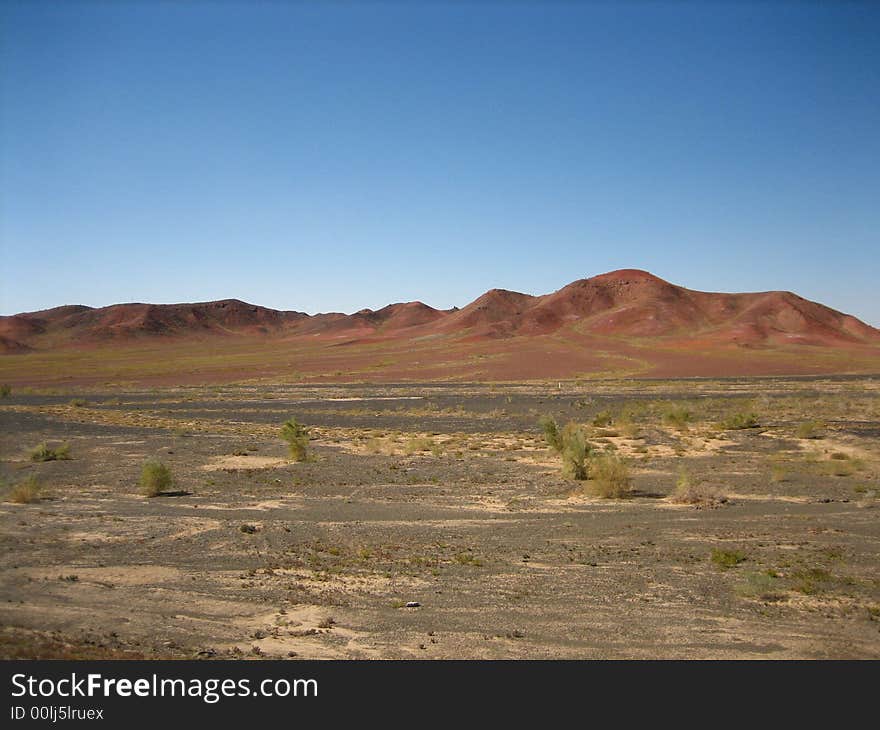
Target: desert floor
{"type": "Point", "coordinates": [448, 496]}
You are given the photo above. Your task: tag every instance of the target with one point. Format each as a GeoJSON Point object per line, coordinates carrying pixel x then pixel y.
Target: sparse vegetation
{"type": "Point", "coordinates": [297, 437]}
{"type": "Point", "coordinates": [628, 427]}
{"type": "Point", "coordinates": [551, 432]}
{"type": "Point", "coordinates": [725, 559]}
{"type": "Point", "coordinates": [374, 524]}
{"type": "Point", "coordinates": [810, 430]}
{"type": "Point", "coordinates": [842, 465]}
{"type": "Point", "coordinates": [739, 421]}
{"type": "Point", "coordinates": [155, 478]}
{"type": "Point", "coordinates": [689, 491]}
{"type": "Point", "coordinates": [677, 417]}
{"type": "Point", "coordinates": [778, 472]}
{"type": "Point", "coordinates": [26, 492]}
{"type": "Point", "coordinates": [609, 476]}
{"type": "Point", "coordinates": [42, 452]}
{"type": "Point", "coordinates": [575, 450]}
{"type": "Point", "coordinates": [762, 586]}
{"type": "Point", "coordinates": [78, 402]}
{"type": "Point", "coordinates": [603, 419]}
{"type": "Point", "coordinates": [5, 390]}
{"type": "Point", "coordinates": [468, 559]}
{"type": "Point", "coordinates": [810, 581]}
{"type": "Point", "coordinates": [418, 444]}
{"type": "Point", "coordinates": [571, 444]}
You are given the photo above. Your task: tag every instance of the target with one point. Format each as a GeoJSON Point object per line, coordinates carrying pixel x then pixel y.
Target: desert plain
{"type": "Point", "coordinates": [433, 520]}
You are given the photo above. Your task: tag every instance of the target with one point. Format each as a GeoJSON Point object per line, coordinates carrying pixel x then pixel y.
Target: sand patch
{"type": "Point", "coordinates": [307, 631]}
{"type": "Point", "coordinates": [295, 502]}
{"type": "Point", "coordinates": [219, 463]}
{"type": "Point", "coordinates": [124, 575]}
{"type": "Point", "coordinates": [769, 498]}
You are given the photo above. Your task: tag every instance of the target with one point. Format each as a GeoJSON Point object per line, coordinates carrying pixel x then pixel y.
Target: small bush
{"type": "Point", "coordinates": [155, 478]}
{"type": "Point", "coordinates": [810, 430]}
{"type": "Point", "coordinates": [78, 402]}
{"type": "Point", "coordinates": [629, 428]}
{"type": "Point", "coordinates": [610, 476]}
{"type": "Point", "coordinates": [677, 417]}
{"type": "Point", "coordinates": [26, 492]}
{"type": "Point", "coordinates": [374, 445]}
{"type": "Point", "coordinates": [810, 580]}
{"type": "Point", "coordinates": [778, 472]}
{"type": "Point", "coordinates": [418, 444]}
{"type": "Point", "coordinates": [297, 437]}
{"type": "Point", "coordinates": [575, 450]}
{"type": "Point", "coordinates": [689, 492]}
{"type": "Point", "coordinates": [5, 390]}
{"type": "Point", "coordinates": [551, 432]}
{"type": "Point", "coordinates": [842, 466]}
{"type": "Point", "coordinates": [468, 559]}
{"type": "Point", "coordinates": [603, 419]}
{"type": "Point", "coordinates": [571, 444]}
{"type": "Point", "coordinates": [42, 452]}
{"type": "Point", "coordinates": [725, 559]}
{"type": "Point", "coordinates": [739, 421]}
{"type": "Point", "coordinates": [762, 586]}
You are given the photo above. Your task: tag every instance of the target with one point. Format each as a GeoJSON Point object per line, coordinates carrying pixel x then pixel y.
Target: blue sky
{"type": "Point", "coordinates": [329, 157]}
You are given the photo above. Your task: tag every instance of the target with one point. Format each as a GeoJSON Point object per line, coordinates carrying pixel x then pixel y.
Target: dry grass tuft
{"type": "Point", "coordinates": [609, 476]}
{"type": "Point", "coordinates": [688, 491]}
{"type": "Point", "coordinates": [26, 492]}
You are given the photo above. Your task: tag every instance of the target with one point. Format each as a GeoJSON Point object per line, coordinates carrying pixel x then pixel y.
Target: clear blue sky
{"type": "Point", "coordinates": [327, 157]}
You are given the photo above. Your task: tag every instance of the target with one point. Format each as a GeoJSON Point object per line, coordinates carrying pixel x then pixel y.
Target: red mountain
{"type": "Point", "coordinates": [626, 315]}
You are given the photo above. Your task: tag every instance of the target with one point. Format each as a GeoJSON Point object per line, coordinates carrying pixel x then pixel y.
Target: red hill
{"type": "Point", "coordinates": [619, 318]}
{"type": "Point", "coordinates": [496, 313]}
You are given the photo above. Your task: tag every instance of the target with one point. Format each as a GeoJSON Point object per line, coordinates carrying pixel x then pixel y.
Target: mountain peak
{"type": "Point", "coordinates": [627, 275]}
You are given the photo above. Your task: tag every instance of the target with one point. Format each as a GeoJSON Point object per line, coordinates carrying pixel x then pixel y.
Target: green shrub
{"type": "Point", "coordinates": [297, 437]}
{"type": "Point", "coordinates": [418, 444]}
{"type": "Point", "coordinates": [628, 427]}
{"type": "Point", "coordinates": [5, 390]}
{"type": "Point", "coordinates": [739, 421]}
{"type": "Point", "coordinates": [155, 478]}
{"type": "Point", "coordinates": [609, 475]}
{"type": "Point", "coordinates": [677, 417]}
{"type": "Point", "coordinates": [725, 559]}
{"type": "Point", "coordinates": [42, 452]}
{"type": "Point", "coordinates": [810, 580]}
{"type": "Point", "coordinates": [551, 432]}
{"type": "Point", "coordinates": [762, 586]}
{"type": "Point", "coordinates": [78, 402]}
{"type": "Point", "coordinates": [778, 472]}
{"type": "Point", "coordinates": [26, 492]}
{"type": "Point", "coordinates": [575, 450]}
{"type": "Point", "coordinates": [571, 444]}
{"type": "Point", "coordinates": [810, 430]}
{"type": "Point", "coordinates": [841, 465]}
{"type": "Point", "coordinates": [603, 419]}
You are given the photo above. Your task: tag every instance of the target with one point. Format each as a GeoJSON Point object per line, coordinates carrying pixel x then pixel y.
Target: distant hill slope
{"type": "Point", "coordinates": [627, 314]}
{"type": "Point", "coordinates": [123, 322]}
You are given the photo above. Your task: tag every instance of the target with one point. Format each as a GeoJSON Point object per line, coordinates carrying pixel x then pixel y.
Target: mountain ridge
{"type": "Point", "coordinates": [626, 303]}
